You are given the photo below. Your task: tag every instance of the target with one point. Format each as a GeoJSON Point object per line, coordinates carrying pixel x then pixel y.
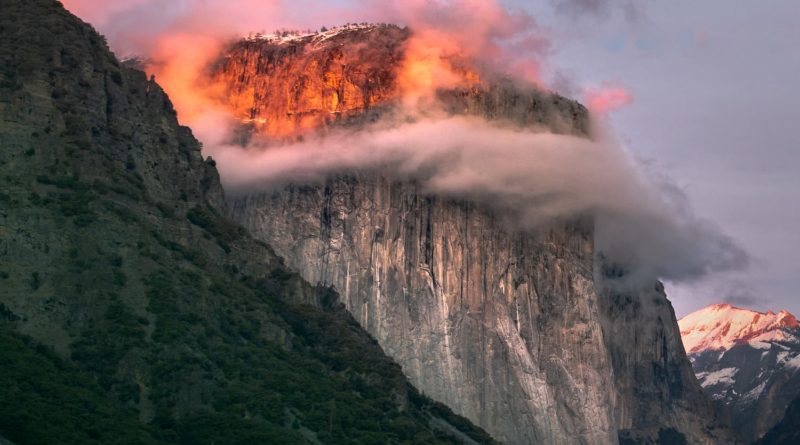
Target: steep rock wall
{"type": "Point", "coordinates": [657, 395]}
{"type": "Point", "coordinates": [284, 87]}
{"type": "Point", "coordinates": [502, 327]}
{"type": "Point", "coordinates": [131, 311]}
{"type": "Point", "coordinates": [511, 329]}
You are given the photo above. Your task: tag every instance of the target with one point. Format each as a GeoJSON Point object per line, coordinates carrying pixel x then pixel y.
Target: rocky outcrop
{"type": "Point", "coordinates": [657, 396]}
{"type": "Point", "coordinates": [747, 361]}
{"type": "Point", "coordinates": [500, 326]}
{"type": "Point", "coordinates": [787, 431]}
{"type": "Point", "coordinates": [286, 86]}
{"type": "Point", "coordinates": [131, 311]}
{"type": "Point", "coordinates": [507, 328]}
{"type": "Point", "coordinates": [512, 329]}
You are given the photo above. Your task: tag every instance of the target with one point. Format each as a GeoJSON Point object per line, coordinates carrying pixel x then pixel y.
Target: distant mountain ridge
{"type": "Point", "coordinates": [721, 326]}
{"type": "Point", "coordinates": [747, 361]}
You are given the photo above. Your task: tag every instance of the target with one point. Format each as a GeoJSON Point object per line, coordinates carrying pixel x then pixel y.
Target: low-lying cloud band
{"type": "Point", "coordinates": [647, 228]}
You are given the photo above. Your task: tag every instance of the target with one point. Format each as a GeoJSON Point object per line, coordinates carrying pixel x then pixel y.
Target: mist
{"type": "Point", "coordinates": [645, 226]}
{"type": "Point", "coordinates": [643, 223]}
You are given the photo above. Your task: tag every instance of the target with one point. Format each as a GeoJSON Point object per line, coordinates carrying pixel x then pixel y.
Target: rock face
{"type": "Point", "coordinates": [787, 431]}
{"type": "Point", "coordinates": [514, 330]}
{"type": "Point", "coordinates": [325, 85]}
{"type": "Point", "coordinates": [508, 329]}
{"type": "Point", "coordinates": [283, 87]}
{"type": "Point", "coordinates": [747, 361]}
{"type": "Point", "coordinates": [131, 311]}
{"type": "Point", "coordinates": [489, 322]}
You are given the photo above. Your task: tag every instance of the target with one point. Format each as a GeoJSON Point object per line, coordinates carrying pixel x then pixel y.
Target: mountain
{"type": "Point", "coordinates": [286, 86]}
{"type": "Point", "coordinates": [131, 310]}
{"type": "Point", "coordinates": [515, 330]}
{"type": "Point", "coordinates": [748, 361]}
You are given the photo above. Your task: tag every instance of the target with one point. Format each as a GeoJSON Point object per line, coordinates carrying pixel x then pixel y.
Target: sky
{"type": "Point", "coordinates": [715, 106]}
{"type": "Point", "coordinates": [702, 93]}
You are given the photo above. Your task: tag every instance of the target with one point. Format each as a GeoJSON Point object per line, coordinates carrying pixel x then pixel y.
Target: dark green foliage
{"type": "Point", "coordinates": [47, 401]}
{"type": "Point", "coordinates": [165, 209]}
{"type": "Point", "coordinates": [115, 260]}
{"type": "Point", "coordinates": [165, 338]}
{"type": "Point", "coordinates": [6, 314]}
{"type": "Point", "coordinates": [670, 436]}
{"type": "Point", "coordinates": [8, 78]}
{"type": "Point", "coordinates": [222, 229]}
{"type": "Point", "coordinates": [119, 277]}
{"type": "Point", "coordinates": [35, 281]}
{"type": "Point", "coordinates": [65, 182]}
{"type": "Point", "coordinates": [74, 201]}
{"type": "Point", "coordinates": [217, 339]}
{"type": "Point", "coordinates": [105, 341]}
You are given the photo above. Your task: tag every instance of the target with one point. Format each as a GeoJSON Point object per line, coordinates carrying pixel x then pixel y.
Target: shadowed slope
{"type": "Point", "coordinates": [130, 310]}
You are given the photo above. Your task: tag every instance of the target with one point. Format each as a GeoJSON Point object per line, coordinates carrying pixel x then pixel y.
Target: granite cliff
{"type": "Point", "coordinates": [287, 86]}
{"type": "Point", "coordinates": [515, 330]}
{"type": "Point", "coordinates": [131, 310]}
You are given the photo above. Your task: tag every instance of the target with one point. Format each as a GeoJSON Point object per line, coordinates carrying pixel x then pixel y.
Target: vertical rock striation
{"type": "Point", "coordinates": [131, 311]}
{"type": "Point", "coordinates": [284, 87]}
{"type": "Point", "coordinates": [511, 329]}
{"type": "Point", "coordinates": [500, 326]}
{"type": "Point", "coordinates": [657, 395]}
{"type": "Point", "coordinates": [313, 79]}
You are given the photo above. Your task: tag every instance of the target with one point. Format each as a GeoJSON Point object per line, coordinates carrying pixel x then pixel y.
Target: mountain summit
{"type": "Point", "coordinates": [719, 327]}
{"type": "Point", "coordinates": [510, 328]}
{"type": "Point", "coordinates": [747, 361]}
{"type": "Point", "coordinates": [286, 85]}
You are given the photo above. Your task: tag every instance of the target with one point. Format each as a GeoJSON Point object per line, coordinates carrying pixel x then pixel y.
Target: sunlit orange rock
{"type": "Point", "coordinates": [285, 86]}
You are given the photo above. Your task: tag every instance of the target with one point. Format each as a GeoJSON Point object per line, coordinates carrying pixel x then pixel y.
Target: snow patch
{"type": "Point", "coordinates": [793, 363]}
{"type": "Point", "coordinates": [724, 376]}
{"type": "Point", "coordinates": [755, 393]}
{"type": "Point", "coordinates": [286, 37]}
{"type": "Point", "coordinates": [788, 360]}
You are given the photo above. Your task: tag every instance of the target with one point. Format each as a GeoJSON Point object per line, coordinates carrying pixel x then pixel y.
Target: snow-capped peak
{"type": "Point", "coordinates": [720, 326]}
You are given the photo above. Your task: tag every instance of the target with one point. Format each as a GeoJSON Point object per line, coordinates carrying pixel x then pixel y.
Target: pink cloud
{"type": "Point", "coordinates": [607, 98]}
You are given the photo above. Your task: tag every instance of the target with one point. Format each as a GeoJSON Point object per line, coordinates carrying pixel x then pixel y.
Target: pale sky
{"type": "Point", "coordinates": [716, 107]}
